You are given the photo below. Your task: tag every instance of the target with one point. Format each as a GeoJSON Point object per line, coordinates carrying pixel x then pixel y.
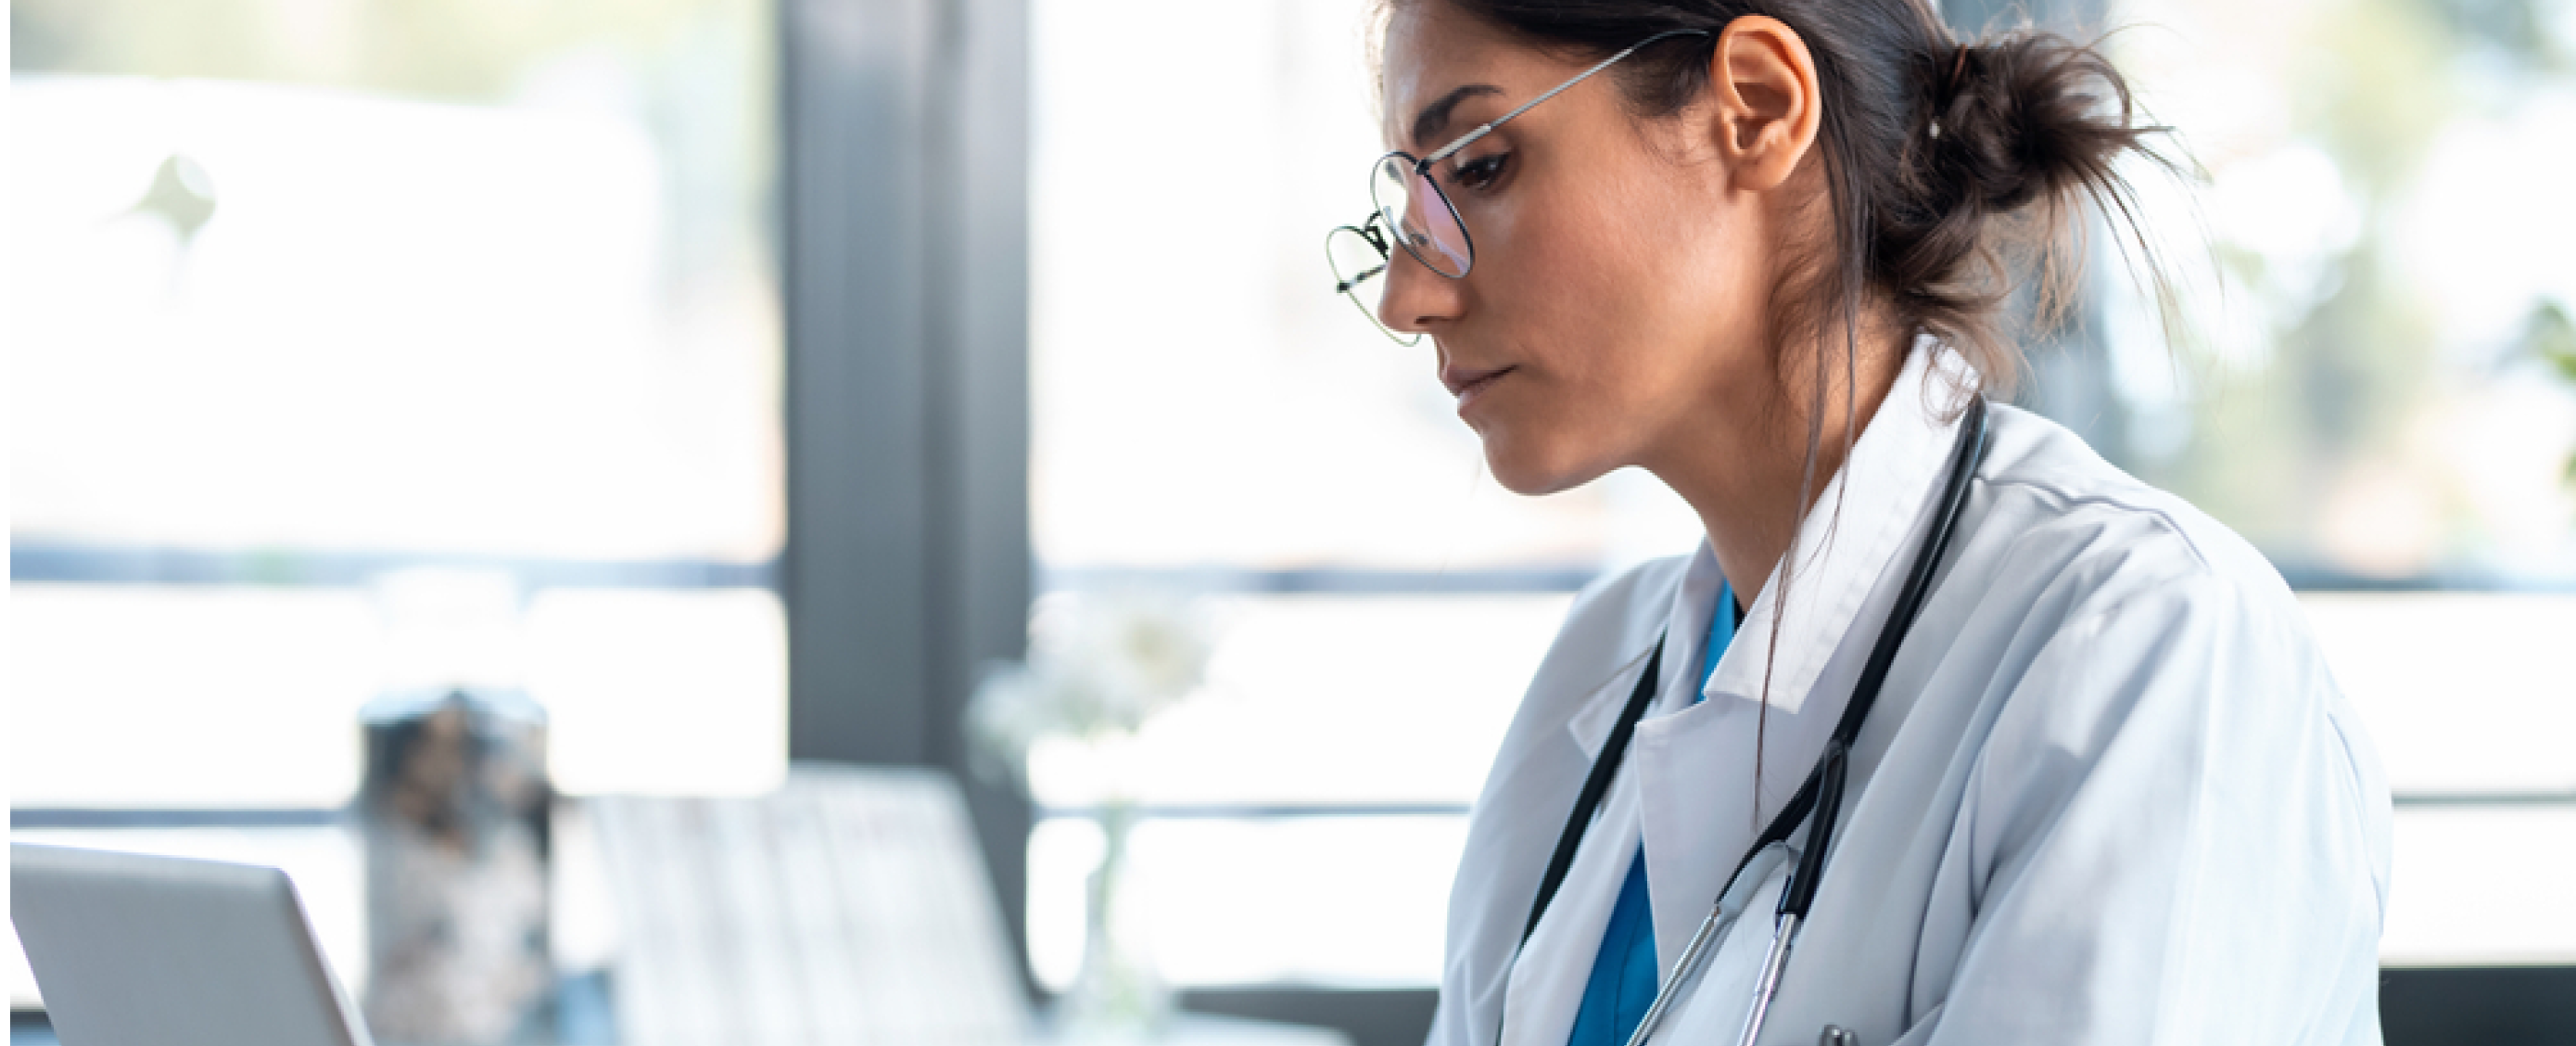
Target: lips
{"type": "Point", "coordinates": [1464, 382]}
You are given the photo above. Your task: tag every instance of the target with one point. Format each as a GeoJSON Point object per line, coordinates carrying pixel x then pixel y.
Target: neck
{"type": "Point", "coordinates": [1749, 473]}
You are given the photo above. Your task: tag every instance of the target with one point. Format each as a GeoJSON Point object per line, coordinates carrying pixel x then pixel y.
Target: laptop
{"type": "Point", "coordinates": [131, 950]}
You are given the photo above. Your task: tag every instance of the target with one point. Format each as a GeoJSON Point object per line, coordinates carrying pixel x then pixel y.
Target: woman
{"type": "Point", "coordinates": [2106, 792]}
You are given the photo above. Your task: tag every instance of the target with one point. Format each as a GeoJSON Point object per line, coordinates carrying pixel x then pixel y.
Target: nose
{"type": "Point", "coordinates": [1418, 300]}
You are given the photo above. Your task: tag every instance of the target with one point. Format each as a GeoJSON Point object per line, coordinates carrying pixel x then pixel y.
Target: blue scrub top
{"type": "Point", "coordinates": [1623, 978]}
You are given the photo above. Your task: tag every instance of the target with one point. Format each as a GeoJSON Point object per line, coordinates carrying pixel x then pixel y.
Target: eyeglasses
{"type": "Point", "coordinates": [1411, 209]}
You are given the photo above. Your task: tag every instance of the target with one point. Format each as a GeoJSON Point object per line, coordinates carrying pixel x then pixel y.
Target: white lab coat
{"type": "Point", "coordinates": [2109, 794]}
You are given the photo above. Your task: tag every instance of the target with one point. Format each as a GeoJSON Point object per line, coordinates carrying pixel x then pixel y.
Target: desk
{"type": "Point", "coordinates": [27, 1028]}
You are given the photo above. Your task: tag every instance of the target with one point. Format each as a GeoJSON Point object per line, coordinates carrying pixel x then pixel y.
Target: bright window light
{"type": "Point", "coordinates": [307, 298]}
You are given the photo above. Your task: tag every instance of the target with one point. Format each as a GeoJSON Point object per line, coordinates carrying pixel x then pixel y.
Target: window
{"type": "Point", "coordinates": [2360, 390]}
{"type": "Point", "coordinates": [2367, 394]}
{"type": "Point", "coordinates": [327, 310]}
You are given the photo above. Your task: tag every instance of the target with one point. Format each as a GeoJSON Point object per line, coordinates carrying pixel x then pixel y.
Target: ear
{"type": "Point", "coordinates": [1763, 81]}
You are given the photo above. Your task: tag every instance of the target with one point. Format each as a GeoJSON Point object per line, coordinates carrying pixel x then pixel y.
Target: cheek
{"type": "Point", "coordinates": [1620, 307]}
{"type": "Point", "coordinates": [1560, 277]}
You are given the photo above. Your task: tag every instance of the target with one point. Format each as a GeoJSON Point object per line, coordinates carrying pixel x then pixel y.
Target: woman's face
{"type": "Point", "coordinates": [1618, 292]}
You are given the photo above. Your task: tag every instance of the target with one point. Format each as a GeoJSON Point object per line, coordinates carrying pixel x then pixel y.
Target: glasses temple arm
{"type": "Point", "coordinates": [1469, 138]}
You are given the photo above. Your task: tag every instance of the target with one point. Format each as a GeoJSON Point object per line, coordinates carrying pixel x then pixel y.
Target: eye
{"type": "Point", "coordinates": [1481, 173]}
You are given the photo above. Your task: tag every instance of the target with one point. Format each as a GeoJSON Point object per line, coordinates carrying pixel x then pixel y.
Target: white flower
{"type": "Point", "coordinates": [1098, 666]}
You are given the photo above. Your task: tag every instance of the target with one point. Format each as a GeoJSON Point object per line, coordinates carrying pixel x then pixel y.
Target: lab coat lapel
{"type": "Point", "coordinates": [1589, 728]}
{"type": "Point", "coordinates": [1540, 997]}
{"type": "Point", "coordinates": [1697, 815]}
{"type": "Point", "coordinates": [1598, 714]}
{"type": "Point", "coordinates": [1572, 701]}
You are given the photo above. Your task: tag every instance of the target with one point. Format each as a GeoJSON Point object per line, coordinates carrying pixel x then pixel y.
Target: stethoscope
{"type": "Point", "coordinates": [1821, 795]}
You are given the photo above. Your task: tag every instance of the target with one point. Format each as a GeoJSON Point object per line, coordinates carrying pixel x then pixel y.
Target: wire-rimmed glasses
{"type": "Point", "coordinates": [1412, 209]}
{"type": "Point", "coordinates": [1423, 223]}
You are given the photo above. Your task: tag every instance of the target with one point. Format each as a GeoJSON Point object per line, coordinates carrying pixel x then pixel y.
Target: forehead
{"type": "Point", "coordinates": [1432, 50]}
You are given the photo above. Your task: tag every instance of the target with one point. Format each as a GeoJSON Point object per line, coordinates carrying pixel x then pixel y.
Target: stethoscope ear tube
{"type": "Point", "coordinates": [1800, 895]}
{"type": "Point", "coordinates": [1595, 785]}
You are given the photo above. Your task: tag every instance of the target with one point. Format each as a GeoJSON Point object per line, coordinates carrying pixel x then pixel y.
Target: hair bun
{"type": "Point", "coordinates": [2017, 117]}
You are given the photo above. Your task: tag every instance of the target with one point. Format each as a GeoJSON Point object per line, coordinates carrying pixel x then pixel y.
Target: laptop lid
{"type": "Point", "coordinates": [131, 950]}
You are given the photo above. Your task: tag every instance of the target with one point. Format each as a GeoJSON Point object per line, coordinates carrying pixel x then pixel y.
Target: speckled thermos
{"type": "Point", "coordinates": [454, 810]}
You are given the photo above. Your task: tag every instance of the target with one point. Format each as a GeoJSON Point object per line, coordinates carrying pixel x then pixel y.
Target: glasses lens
{"type": "Point", "coordinates": [1420, 216]}
{"type": "Point", "coordinates": [1359, 274]}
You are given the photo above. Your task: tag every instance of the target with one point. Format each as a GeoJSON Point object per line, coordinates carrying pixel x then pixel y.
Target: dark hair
{"type": "Point", "coordinates": [1953, 169]}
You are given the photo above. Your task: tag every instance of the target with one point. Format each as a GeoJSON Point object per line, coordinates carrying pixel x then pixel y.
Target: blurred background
{"type": "Point", "coordinates": [731, 376]}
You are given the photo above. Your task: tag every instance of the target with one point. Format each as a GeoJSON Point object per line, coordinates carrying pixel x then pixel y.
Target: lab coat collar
{"type": "Point", "coordinates": [1851, 537]}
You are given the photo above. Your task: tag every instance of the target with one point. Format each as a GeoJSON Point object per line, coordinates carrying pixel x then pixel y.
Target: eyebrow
{"type": "Point", "coordinates": [1435, 117]}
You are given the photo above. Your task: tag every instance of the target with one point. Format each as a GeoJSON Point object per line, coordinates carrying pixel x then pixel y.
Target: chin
{"type": "Point", "coordinates": [1533, 470]}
